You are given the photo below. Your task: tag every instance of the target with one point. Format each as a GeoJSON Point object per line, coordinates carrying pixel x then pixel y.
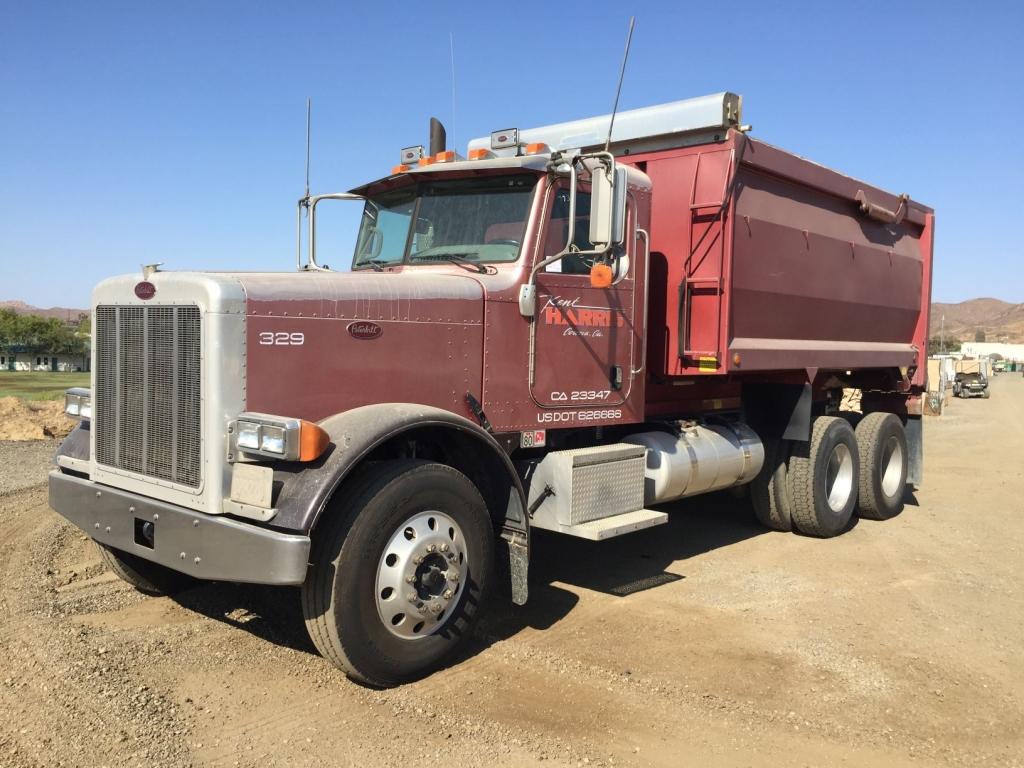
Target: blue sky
{"type": "Point", "coordinates": [141, 131]}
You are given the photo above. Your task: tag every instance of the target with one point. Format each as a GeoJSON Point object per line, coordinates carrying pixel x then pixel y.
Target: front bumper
{"type": "Point", "coordinates": [204, 546]}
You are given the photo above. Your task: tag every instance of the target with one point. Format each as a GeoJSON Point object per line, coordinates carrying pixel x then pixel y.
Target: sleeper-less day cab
{"type": "Point", "coordinates": [546, 334]}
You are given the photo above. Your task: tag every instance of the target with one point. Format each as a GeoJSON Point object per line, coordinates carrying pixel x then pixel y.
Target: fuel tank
{"type": "Point", "coordinates": [701, 458]}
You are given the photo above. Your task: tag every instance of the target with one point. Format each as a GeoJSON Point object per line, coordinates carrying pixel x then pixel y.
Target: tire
{"type": "Point", "coordinates": [343, 600]}
{"type": "Point", "coordinates": [822, 478]}
{"type": "Point", "coordinates": [149, 578]}
{"type": "Point", "coordinates": [882, 443]}
{"type": "Point", "coordinates": [768, 492]}
{"type": "Point", "coordinates": [985, 394]}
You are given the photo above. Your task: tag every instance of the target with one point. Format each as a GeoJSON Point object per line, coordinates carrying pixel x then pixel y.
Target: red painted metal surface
{"type": "Point", "coordinates": [769, 265]}
{"type": "Point", "coordinates": [763, 267]}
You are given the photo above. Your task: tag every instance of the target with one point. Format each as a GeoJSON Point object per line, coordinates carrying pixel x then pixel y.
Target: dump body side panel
{"type": "Point", "coordinates": [815, 282]}
{"type": "Point", "coordinates": [764, 262]}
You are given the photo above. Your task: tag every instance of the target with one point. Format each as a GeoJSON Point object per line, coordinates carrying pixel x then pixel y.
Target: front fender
{"type": "Point", "coordinates": [303, 490]}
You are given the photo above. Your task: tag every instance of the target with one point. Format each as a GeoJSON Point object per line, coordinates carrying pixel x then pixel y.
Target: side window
{"type": "Point", "coordinates": [385, 228]}
{"type": "Point", "coordinates": [558, 233]}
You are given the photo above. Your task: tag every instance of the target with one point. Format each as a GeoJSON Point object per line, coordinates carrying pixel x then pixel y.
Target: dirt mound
{"type": "Point", "coordinates": [26, 420]}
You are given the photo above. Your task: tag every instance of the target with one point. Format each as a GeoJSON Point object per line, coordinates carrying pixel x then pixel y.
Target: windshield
{"type": "Point", "coordinates": [481, 219]}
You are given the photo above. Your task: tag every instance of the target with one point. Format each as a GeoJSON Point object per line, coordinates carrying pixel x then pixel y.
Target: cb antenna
{"type": "Point", "coordinates": [622, 73]}
{"type": "Point", "coordinates": [451, 44]}
{"type": "Point", "coordinates": [309, 109]}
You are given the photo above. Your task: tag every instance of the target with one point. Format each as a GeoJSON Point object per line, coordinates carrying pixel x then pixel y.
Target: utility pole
{"type": "Point", "coordinates": [942, 335]}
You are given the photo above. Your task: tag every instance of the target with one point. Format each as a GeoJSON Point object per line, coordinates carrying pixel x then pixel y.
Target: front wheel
{"type": "Point", "coordinates": [400, 569]}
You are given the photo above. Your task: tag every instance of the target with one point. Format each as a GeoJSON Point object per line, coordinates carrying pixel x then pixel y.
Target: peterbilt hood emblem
{"type": "Point", "coordinates": [145, 290]}
{"type": "Point", "coordinates": [364, 330]}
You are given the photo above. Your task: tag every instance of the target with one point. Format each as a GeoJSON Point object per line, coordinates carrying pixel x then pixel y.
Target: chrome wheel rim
{"type": "Point", "coordinates": [839, 477]}
{"type": "Point", "coordinates": [420, 575]}
{"type": "Point", "coordinates": [892, 466]}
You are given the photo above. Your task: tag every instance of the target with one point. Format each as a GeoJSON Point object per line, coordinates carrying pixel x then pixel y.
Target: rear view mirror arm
{"type": "Point", "coordinates": [310, 204]}
{"type": "Point", "coordinates": [528, 291]}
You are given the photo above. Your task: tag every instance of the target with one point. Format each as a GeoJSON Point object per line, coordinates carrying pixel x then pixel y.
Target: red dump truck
{"type": "Point", "coordinates": [555, 332]}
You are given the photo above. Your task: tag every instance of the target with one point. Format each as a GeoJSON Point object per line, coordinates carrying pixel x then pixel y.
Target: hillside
{"type": "Point", "coordinates": [1000, 320]}
{"type": "Point", "coordinates": [61, 313]}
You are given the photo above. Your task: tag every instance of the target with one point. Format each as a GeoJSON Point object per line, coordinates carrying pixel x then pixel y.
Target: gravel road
{"type": "Point", "coordinates": [22, 463]}
{"type": "Point", "coordinates": [706, 642]}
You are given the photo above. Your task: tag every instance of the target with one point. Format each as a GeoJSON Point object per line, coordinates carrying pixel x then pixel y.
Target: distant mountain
{"type": "Point", "coordinates": [1000, 320]}
{"type": "Point", "coordinates": [61, 313]}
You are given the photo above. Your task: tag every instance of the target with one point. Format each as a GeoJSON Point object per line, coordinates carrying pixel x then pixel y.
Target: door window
{"type": "Point", "coordinates": [558, 233]}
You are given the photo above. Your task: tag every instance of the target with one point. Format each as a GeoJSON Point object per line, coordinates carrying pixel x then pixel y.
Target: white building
{"type": "Point", "coordinates": [32, 361]}
{"type": "Point", "coordinates": [986, 348]}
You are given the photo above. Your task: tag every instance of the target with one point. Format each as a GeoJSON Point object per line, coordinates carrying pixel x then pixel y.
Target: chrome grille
{"type": "Point", "coordinates": [146, 407]}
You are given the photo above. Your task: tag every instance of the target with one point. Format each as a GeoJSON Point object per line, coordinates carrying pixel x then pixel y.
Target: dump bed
{"type": "Point", "coordinates": [765, 261]}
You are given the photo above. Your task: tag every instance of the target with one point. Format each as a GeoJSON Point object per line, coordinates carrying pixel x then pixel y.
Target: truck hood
{"type": "Point", "coordinates": [415, 295]}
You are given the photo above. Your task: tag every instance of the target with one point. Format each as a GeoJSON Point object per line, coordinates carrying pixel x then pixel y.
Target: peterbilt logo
{"type": "Point", "coordinates": [364, 330]}
{"type": "Point", "coordinates": [145, 290]}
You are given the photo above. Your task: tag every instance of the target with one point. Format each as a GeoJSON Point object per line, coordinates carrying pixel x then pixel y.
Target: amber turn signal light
{"type": "Point", "coordinates": [313, 441]}
{"type": "Point", "coordinates": [600, 275]}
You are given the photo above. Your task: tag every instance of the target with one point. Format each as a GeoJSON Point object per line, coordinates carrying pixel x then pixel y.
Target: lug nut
{"type": "Point", "coordinates": [431, 547]}
{"type": "Point", "coordinates": [444, 547]}
{"type": "Point", "coordinates": [418, 559]}
{"type": "Point", "coordinates": [411, 597]}
{"type": "Point", "coordinates": [453, 576]}
{"type": "Point", "coordinates": [410, 579]}
{"type": "Point", "coordinates": [448, 594]}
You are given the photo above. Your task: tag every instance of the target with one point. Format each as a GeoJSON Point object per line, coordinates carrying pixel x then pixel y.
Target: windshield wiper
{"type": "Point", "coordinates": [375, 263]}
{"type": "Point", "coordinates": [460, 259]}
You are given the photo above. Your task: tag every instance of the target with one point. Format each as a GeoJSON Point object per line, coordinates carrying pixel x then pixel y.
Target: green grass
{"type": "Point", "coordinates": [39, 385]}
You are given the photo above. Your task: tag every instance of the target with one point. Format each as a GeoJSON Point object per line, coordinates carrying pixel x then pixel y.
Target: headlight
{"type": "Point", "coordinates": [248, 435]}
{"type": "Point", "coordinates": [273, 440]}
{"type": "Point", "coordinates": [78, 403]}
{"type": "Point", "coordinates": [277, 437]}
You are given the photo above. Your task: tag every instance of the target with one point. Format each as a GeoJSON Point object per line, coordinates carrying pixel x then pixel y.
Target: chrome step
{"type": "Point", "coordinates": [609, 527]}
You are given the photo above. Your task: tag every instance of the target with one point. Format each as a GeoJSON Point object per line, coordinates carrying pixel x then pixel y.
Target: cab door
{"type": "Point", "coordinates": [584, 337]}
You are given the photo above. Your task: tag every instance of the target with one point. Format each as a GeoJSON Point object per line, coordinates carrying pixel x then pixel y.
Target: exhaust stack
{"type": "Point", "coordinates": [438, 137]}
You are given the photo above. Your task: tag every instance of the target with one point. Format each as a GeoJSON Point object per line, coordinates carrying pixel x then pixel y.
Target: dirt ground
{"type": "Point", "coordinates": [706, 642]}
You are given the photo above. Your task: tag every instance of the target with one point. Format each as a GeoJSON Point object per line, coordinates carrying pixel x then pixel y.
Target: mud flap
{"type": "Point", "coordinates": [915, 450]}
{"type": "Point", "coordinates": [518, 565]}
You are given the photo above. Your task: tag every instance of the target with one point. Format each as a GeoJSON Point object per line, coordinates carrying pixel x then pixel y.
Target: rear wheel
{"type": "Point", "coordinates": [882, 443]}
{"type": "Point", "coordinates": [149, 578]}
{"type": "Point", "coordinates": [822, 478]}
{"type": "Point", "coordinates": [400, 569]}
{"type": "Point", "coordinates": [768, 492]}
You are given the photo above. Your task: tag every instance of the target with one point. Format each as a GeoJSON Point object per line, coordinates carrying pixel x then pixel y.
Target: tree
{"type": "Point", "coordinates": [936, 347]}
{"type": "Point", "coordinates": [30, 333]}
{"type": "Point", "coordinates": [979, 335]}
